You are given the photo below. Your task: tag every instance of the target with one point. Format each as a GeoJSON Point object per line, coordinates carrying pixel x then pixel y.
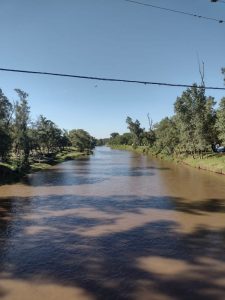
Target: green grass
{"type": "Point", "coordinates": [69, 154]}
{"type": "Point", "coordinates": [11, 167]}
{"type": "Point", "coordinates": [213, 162]}
{"type": "Point", "coordinates": [9, 173]}
{"type": "Point", "coordinates": [35, 167]}
{"type": "Point", "coordinates": [139, 149]}
{"type": "Point", "coordinates": [60, 157]}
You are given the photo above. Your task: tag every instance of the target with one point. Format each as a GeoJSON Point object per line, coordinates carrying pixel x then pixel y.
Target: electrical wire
{"type": "Point", "coordinates": [111, 79]}
{"type": "Point", "coordinates": [175, 11]}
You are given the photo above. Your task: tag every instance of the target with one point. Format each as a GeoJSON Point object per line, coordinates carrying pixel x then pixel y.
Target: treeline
{"type": "Point", "coordinates": [193, 129]}
{"type": "Point", "coordinates": [22, 140]}
{"type": "Point", "coordinates": [102, 142]}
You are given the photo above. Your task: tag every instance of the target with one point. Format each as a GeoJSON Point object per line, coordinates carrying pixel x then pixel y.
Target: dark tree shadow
{"type": "Point", "coordinates": [81, 176]}
{"type": "Point", "coordinates": [45, 237]}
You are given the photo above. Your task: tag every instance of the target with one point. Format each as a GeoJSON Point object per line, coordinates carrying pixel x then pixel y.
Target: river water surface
{"type": "Point", "coordinates": [116, 225]}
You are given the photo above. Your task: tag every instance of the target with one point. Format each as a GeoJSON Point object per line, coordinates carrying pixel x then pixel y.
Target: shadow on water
{"type": "Point", "coordinates": [50, 238]}
{"type": "Point", "coordinates": [60, 178]}
{"type": "Point", "coordinates": [81, 176]}
{"type": "Point", "coordinates": [113, 204]}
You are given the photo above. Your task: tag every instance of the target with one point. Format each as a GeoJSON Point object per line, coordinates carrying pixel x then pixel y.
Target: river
{"type": "Point", "coordinates": [116, 225]}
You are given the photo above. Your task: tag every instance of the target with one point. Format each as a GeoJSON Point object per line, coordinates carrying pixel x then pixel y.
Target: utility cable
{"type": "Point", "coordinates": [110, 79]}
{"type": "Point", "coordinates": [175, 11]}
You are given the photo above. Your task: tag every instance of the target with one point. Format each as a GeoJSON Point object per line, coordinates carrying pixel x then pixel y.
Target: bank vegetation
{"type": "Point", "coordinates": [192, 135]}
{"type": "Point", "coordinates": [29, 145]}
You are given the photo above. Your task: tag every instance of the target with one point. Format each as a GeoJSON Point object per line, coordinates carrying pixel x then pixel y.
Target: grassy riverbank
{"type": "Point", "coordinates": [60, 157]}
{"type": "Point", "coordinates": [10, 174]}
{"type": "Point", "coordinates": [213, 162]}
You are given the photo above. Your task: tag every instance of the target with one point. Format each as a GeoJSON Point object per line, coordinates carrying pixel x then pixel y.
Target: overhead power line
{"type": "Point", "coordinates": [109, 79]}
{"type": "Point", "coordinates": [218, 1]}
{"type": "Point", "coordinates": [175, 11]}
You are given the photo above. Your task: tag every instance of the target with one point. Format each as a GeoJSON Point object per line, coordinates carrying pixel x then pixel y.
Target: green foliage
{"type": "Point", "coordinates": [148, 138]}
{"type": "Point", "coordinates": [47, 136]}
{"type": "Point", "coordinates": [82, 140]}
{"type": "Point", "coordinates": [192, 130]}
{"type": "Point", "coordinates": [5, 129]}
{"type": "Point", "coordinates": [21, 138]}
{"type": "Point", "coordinates": [35, 145]}
{"type": "Point", "coordinates": [102, 142]}
{"type": "Point", "coordinates": [5, 110]}
{"type": "Point", "coordinates": [5, 144]}
{"type": "Point", "coordinates": [135, 130]}
{"type": "Point", "coordinates": [124, 139]}
{"type": "Point", "coordinates": [220, 121]}
{"type": "Point", "coordinates": [195, 119]}
{"type": "Point", "coordinates": [167, 136]}
{"type": "Point", "coordinates": [113, 135]}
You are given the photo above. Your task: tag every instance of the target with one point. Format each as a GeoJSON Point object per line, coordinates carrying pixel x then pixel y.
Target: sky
{"type": "Point", "coordinates": [108, 38]}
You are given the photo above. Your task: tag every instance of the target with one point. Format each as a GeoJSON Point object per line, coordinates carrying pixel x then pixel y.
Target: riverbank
{"type": "Point", "coordinates": [9, 173]}
{"type": "Point", "coordinates": [213, 162]}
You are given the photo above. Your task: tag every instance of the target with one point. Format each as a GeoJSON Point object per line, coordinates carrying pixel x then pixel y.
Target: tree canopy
{"type": "Point", "coordinates": [21, 138]}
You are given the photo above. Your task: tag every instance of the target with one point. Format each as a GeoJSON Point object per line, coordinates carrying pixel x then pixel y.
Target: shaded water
{"type": "Point", "coordinates": [117, 225]}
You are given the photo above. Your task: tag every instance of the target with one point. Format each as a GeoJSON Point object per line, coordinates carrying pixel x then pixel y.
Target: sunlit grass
{"type": "Point", "coordinates": [11, 167]}
{"type": "Point", "coordinates": [60, 157]}
{"type": "Point", "coordinates": [39, 167]}
{"type": "Point", "coordinates": [214, 162]}
{"type": "Point", "coordinates": [9, 172]}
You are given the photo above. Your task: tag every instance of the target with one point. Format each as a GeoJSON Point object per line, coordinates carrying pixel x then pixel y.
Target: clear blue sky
{"type": "Point", "coordinates": [109, 38]}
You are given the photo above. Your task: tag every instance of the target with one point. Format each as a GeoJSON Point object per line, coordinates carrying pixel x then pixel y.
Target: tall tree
{"type": "Point", "coordinates": [48, 135]}
{"type": "Point", "coordinates": [81, 139]}
{"type": "Point", "coordinates": [5, 128]}
{"type": "Point", "coordinates": [167, 136]}
{"type": "Point", "coordinates": [150, 134]}
{"type": "Point", "coordinates": [21, 137]}
{"type": "Point", "coordinates": [220, 121]}
{"type": "Point", "coordinates": [135, 130]}
{"type": "Point", "coordinates": [194, 115]}
{"type": "Point", "coordinates": [113, 135]}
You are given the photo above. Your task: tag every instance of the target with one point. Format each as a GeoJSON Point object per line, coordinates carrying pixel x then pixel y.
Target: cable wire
{"type": "Point", "coordinates": [110, 79]}
{"type": "Point", "coordinates": [175, 11]}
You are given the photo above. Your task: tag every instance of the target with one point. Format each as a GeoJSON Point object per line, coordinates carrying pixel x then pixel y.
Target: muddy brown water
{"type": "Point", "coordinates": [117, 225]}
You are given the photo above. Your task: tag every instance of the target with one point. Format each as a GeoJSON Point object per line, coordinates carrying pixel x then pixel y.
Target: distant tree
{"type": "Point", "coordinates": [220, 121]}
{"type": "Point", "coordinates": [149, 136]}
{"type": "Point", "coordinates": [101, 142]}
{"type": "Point", "coordinates": [114, 134]}
{"type": "Point", "coordinates": [21, 137]}
{"type": "Point", "coordinates": [210, 120]}
{"type": "Point", "coordinates": [5, 144]}
{"type": "Point", "coordinates": [6, 110]}
{"type": "Point", "coordinates": [167, 136]}
{"type": "Point", "coordinates": [127, 138]}
{"type": "Point", "coordinates": [64, 140]}
{"type": "Point", "coordinates": [82, 140]}
{"type": "Point", "coordinates": [48, 136]}
{"type": "Point", "coordinates": [135, 130]}
{"type": "Point", "coordinates": [194, 117]}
